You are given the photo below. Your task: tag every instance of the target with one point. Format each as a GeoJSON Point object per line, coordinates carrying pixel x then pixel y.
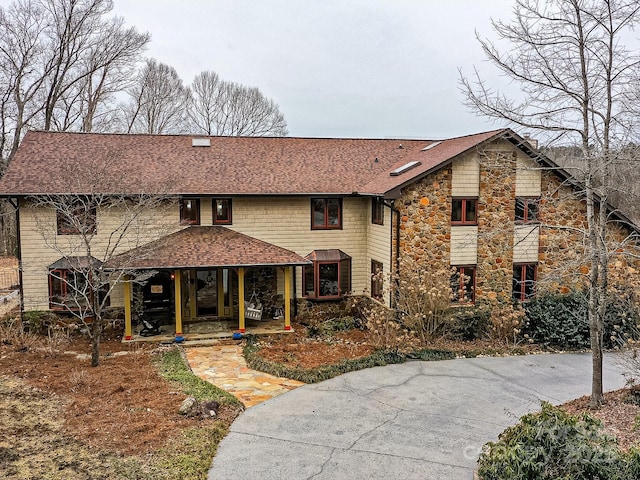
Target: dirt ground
{"type": "Point", "coordinates": [57, 414]}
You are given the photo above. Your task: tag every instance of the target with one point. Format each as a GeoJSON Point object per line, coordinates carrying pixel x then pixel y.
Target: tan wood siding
{"type": "Point", "coordinates": [526, 240]}
{"type": "Point", "coordinates": [464, 245]}
{"type": "Point", "coordinates": [379, 248]}
{"type": "Point", "coordinates": [465, 177]}
{"type": "Point", "coordinates": [528, 177]}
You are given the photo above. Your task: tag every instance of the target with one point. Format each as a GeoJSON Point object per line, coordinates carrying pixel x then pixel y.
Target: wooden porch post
{"type": "Point", "coordinates": [287, 297]}
{"type": "Point", "coordinates": [241, 299]}
{"type": "Point", "coordinates": [127, 308]}
{"type": "Point", "coordinates": [178, 304]}
{"type": "Point", "coordinates": [219, 283]}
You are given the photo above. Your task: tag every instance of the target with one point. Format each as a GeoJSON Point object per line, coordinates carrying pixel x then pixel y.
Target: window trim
{"type": "Point", "coordinates": [461, 285]}
{"type": "Point", "coordinates": [189, 221]}
{"type": "Point", "coordinates": [214, 208]}
{"type": "Point", "coordinates": [327, 257]}
{"type": "Point", "coordinates": [377, 210]}
{"type": "Point", "coordinates": [463, 220]}
{"type": "Point", "coordinates": [64, 228]}
{"type": "Point", "coordinates": [521, 295]}
{"type": "Point", "coordinates": [527, 201]}
{"type": "Point", "coordinates": [377, 282]}
{"type": "Point", "coordinates": [62, 277]}
{"type": "Point", "coordinates": [326, 225]}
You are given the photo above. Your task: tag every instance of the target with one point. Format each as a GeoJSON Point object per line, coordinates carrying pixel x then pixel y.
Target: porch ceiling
{"type": "Point", "coordinates": [202, 246]}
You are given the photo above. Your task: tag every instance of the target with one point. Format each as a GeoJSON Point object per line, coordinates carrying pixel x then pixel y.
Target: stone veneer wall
{"type": "Point", "coordinates": [425, 219]}
{"type": "Point", "coordinates": [496, 215]}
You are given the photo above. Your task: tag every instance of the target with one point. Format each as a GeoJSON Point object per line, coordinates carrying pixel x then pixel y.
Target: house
{"type": "Point", "coordinates": [259, 224]}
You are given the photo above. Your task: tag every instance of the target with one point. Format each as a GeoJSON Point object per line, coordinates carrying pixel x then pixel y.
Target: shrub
{"type": "Point", "coordinates": [470, 323]}
{"type": "Point", "coordinates": [550, 445]}
{"type": "Point", "coordinates": [561, 321]}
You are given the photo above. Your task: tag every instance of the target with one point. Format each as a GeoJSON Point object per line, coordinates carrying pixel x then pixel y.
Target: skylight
{"type": "Point", "coordinates": [200, 142]}
{"type": "Point", "coordinates": [404, 168]}
{"type": "Point", "coordinates": [431, 145]}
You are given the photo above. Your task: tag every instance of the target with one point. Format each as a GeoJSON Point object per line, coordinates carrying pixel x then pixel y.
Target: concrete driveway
{"type": "Point", "coordinates": [418, 420]}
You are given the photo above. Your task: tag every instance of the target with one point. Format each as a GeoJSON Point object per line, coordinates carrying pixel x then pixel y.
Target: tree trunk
{"type": "Point", "coordinates": [96, 334]}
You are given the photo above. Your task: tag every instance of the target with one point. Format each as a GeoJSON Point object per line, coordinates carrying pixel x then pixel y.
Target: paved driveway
{"type": "Point", "coordinates": [418, 420]}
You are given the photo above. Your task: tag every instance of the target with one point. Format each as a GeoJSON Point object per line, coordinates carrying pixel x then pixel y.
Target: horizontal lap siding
{"type": "Point", "coordinates": [465, 177]}
{"type": "Point", "coordinates": [379, 248]}
{"type": "Point", "coordinates": [528, 177]}
{"type": "Point", "coordinates": [525, 244]}
{"type": "Point", "coordinates": [464, 245]}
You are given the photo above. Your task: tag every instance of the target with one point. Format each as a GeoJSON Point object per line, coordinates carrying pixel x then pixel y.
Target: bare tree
{"type": "Point", "coordinates": [576, 77]}
{"type": "Point", "coordinates": [96, 235]}
{"type": "Point", "coordinates": [158, 101]}
{"type": "Point", "coordinates": [218, 107]}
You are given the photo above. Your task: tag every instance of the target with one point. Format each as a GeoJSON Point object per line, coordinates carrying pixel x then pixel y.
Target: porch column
{"type": "Point", "coordinates": [287, 297]}
{"type": "Point", "coordinates": [220, 284]}
{"type": "Point", "coordinates": [241, 299]}
{"type": "Point", "coordinates": [177, 274]}
{"type": "Point", "coordinates": [127, 308]}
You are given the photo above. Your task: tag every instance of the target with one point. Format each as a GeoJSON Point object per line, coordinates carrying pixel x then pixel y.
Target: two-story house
{"type": "Point", "coordinates": [269, 222]}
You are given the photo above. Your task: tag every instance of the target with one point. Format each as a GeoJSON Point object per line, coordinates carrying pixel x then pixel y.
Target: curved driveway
{"type": "Point", "coordinates": [417, 420]}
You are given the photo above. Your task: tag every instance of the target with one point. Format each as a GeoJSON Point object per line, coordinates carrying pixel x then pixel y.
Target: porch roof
{"type": "Point", "coordinates": [206, 246]}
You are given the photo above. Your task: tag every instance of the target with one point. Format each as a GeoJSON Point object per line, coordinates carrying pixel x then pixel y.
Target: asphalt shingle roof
{"type": "Point", "coordinates": [202, 246]}
{"type": "Point", "coordinates": [62, 162]}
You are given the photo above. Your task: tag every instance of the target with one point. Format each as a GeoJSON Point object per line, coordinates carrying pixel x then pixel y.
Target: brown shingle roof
{"type": "Point", "coordinates": [61, 162]}
{"type": "Point", "coordinates": [199, 246]}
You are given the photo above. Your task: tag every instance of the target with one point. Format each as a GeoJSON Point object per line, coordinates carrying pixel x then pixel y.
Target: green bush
{"type": "Point", "coordinates": [561, 321]}
{"type": "Point", "coordinates": [552, 445]}
{"type": "Point", "coordinates": [470, 323]}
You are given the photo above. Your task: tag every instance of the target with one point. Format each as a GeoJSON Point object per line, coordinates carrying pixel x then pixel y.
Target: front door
{"type": "Point", "coordinates": [207, 292]}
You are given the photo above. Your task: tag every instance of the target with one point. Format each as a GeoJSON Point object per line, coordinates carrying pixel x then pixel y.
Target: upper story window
{"type": "Point", "coordinates": [464, 211]}
{"type": "Point", "coordinates": [463, 285]}
{"type": "Point", "coordinates": [524, 281]}
{"type": "Point", "coordinates": [377, 211]}
{"type": "Point", "coordinates": [222, 211]}
{"type": "Point", "coordinates": [326, 213]}
{"type": "Point", "coordinates": [190, 211]}
{"type": "Point", "coordinates": [527, 209]}
{"type": "Point", "coordinates": [76, 218]}
{"type": "Point", "coordinates": [329, 277]}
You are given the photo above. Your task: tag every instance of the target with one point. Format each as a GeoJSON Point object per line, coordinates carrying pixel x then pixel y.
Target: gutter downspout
{"type": "Point", "coordinates": [397, 252]}
{"type": "Point", "coordinates": [19, 255]}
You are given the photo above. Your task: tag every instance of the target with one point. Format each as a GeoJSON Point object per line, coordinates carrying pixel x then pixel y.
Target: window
{"type": "Point", "coordinates": [190, 211]}
{"type": "Point", "coordinates": [377, 279]}
{"type": "Point", "coordinates": [463, 211]}
{"type": "Point", "coordinates": [526, 209]}
{"type": "Point", "coordinates": [463, 285]}
{"type": "Point", "coordinates": [329, 276]}
{"type": "Point", "coordinates": [326, 213]}
{"type": "Point", "coordinates": [68, 290]}
{"type": "Point", "coordinates": [377, 211]}
{"type": "Point", "coordinates": [78, 218]}
{"type": "Point", "coordinates": [222, 211]}
{"type": "Point", "coordinates": [524, 281]}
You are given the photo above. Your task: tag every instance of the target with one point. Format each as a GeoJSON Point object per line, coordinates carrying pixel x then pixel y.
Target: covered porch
{"type": "Point", "coordinates": [207, 282]}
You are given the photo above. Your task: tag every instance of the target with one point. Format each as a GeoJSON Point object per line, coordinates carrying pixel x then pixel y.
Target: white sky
{"type": "Point", "coordinates": [336, 68]}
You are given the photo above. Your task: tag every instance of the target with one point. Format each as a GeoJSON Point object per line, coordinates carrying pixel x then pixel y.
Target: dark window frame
{"type": "Point", "coordinates": [84, 221]}
{"type": "Point", "coordinates": [377, 211]}
{"type": "Point", "coordinates": [522, 290]}
{"type": "Point", "coordinates": [326, 224]}
{"type": "Point", "coordinates": [183, 209]}
{"type": "Point", "coordinates": [464, 201]}
{"type": "Point", "coordinates": [528, 212]}
{"type": "Point", "coordinates": [458, 285]}
{"type": "Point", "coordinates": [62, 277]}
{"type": "Point", "coordinates": [377, 279]}
{"type": "Point", "coordinates": [214, 206]}
{"type": "Point", "coordinates": [342, 290]}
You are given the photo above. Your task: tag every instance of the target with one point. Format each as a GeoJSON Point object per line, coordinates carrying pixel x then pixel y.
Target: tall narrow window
{"type": "Point", "coordinates": [527, 209]}
{"type": "Point", "coordinates": [464, 211]}
{"type": "Point", "coordinates": [377, 211]}
{"type": "Point", "coordinates": [190, 211]}
{"type": "Point", "coordinates": [463, 285]}
{"type": "Point", "coordinates": [524, 281]}
{"type": "Point", "coordinates": [377, 279]}
{"type": "Point", "coordinates": [326, 213]}
{"type": "Point", "coordinates": [222, 211]}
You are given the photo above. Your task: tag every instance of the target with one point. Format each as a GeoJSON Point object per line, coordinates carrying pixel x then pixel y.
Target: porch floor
{"type": "Point", "coordinates": [207, 331]}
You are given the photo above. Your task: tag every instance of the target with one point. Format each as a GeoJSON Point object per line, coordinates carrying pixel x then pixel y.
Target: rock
{"type": "Point", "coordinates": [190, 407]}
{"type": "Point", "coordinates": [210, 408]}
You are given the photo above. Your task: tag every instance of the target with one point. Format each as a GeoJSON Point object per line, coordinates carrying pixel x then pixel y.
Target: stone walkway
{"type": "Point", "coordinates": [225, 367]}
